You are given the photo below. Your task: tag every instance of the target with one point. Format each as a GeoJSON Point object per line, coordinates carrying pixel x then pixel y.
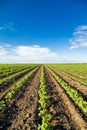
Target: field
{"type": "Point", "coordinates": [43, 97]}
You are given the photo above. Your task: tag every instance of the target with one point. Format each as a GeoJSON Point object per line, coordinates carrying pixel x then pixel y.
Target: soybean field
{"type": "Point", "coordinates": [43, 96]}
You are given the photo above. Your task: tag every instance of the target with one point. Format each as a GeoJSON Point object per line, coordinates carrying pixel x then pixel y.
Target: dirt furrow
{"type": "Point", "coordinates": [65, 115]}
{"type": "Point", "coordinates": [22, 113]}
{"type": "Point", "coordinates": [73, 73]}
{"type": "Point", "coordinates": [12, 85]}
{"type": "Point", "coordinates": [81, 88]}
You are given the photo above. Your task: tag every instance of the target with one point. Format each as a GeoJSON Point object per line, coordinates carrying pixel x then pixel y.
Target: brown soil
{"type": "Point", "coordinates": [73, 74]}
{"type": "Point", "coordinates": [21, 113]}
{"type": "Point", "coordinates": [12, 84]}
{"type": "Point", "coordinates": [65, 115]}
{"type": "Point", "coordinates": [81, 88]}
{"type": "Point", "coordinates": [8, 75]}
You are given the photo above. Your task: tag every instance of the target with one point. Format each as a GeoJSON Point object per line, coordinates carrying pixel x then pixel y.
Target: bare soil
{"type": "Point", "coordinates": [74, 84]}
{"type": "Point", "coordinates": [65, 115]}
{"type": "Point", "coordinates": [21, 113]}
{"type": "Point", "coordinates": [10, 84]}
{"type": "Point", "coordinates": [74, 74]}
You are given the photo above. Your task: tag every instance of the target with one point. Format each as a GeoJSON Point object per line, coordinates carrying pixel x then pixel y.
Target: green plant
{"type": "Point", "coordinates": [44, 103]}
{"type": "Point", "coordinates": [2, 105]}
{"type": "Point", "coordinates": [73, 94]}
{"type": "Point", "coordinates": [12, 92]}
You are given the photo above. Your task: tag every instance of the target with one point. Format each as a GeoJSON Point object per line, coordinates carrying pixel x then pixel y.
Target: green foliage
{"type": "Point", "coordinates": [18, 86]}
{"type": "Point", "coordinates": [2, 105]}
{"type": "Point", "coordinates": [9, 69]}
{"type": "Point", "coordinates": [74, 71]}
{"type": "Point", "coordinates": [73, 94]}
{"type": "Point", "coordinates": [44, 103]}
{"type": "Point", "coordinates": [9, 95]}
{"type": "Point", "coordinates": [12, 78]}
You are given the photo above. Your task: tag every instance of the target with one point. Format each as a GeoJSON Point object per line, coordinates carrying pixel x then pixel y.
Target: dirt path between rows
{"type": "Point", "coordinates": [81, 88]}
{"type": "Point", "coordinates": [73, 74]}
{"type": "Point", "coordinates": [21, 115]}
{"type": "Point", "coordinates": [11, 84]}
{"type": "Point", "coordinates": [65, 115]}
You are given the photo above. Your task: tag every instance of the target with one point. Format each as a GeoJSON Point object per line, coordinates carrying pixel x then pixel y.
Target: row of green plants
{"type": "Point", "coordinates": [44, 103]}
{"type": "Point", "coordinates": [11, 71]}
{"type": "Point", "coordinates": [72, 73]}
{"type": "Point", "coordinates": [12, 92]}
{"type": "Point", "coordinates": [7, 70]}
{"type": "Point", "coordinates": [81, 81]}
{"type": "Point", "coordinates": [79, 69]}
{"type": "Point", "coordinates": [8, 67]}
{"type": "Point", "coordinates": [84, 82]}
{"type": "Point", "coordinates": [73, 94]}
{"type": "Point", "coordinates": [11, 79]}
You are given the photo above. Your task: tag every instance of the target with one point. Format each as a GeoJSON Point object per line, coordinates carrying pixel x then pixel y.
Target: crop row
{"type": "Point", "coordinates": [75, 78]}
{"type": "Point", "coordinates": [11, 70]}
{"type": "Point", "coordinates": [12, 78]}
{"type": "Point", "coordinates": [84, 82]}
{"type": "Point", "coordinates": [79, 69]}
{"type": "Point", "coordinates": [8, 96]}
{"type": "Point", "coordinates": [8, 67]}
{"type": "Point", "coordinates": [44, 103]}
{"type": "Point", "coordinates": [73, 94]}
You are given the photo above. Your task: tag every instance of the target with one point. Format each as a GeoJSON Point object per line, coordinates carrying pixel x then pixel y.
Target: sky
{"type": "Point", "coordinates": [43, 31]}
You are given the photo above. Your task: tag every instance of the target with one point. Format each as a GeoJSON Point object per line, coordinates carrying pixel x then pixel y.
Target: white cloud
{"type": "Point", "coordinates": [9, 26]}
{"type": "Point", "coordinates": [27, 54]}
{"type": "Point", "coordinates": [83, 27]}
{"type": "Point", "coordinates": [3, 52]}
{"type": "Point", "coordinates": [34, 51]}
{"type": "Point", "coordinates": [36, 54]}
{"type": "Point", "coordinates": [79, 38]}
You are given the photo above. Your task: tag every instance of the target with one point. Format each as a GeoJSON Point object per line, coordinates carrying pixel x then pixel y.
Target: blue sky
{"type": "Point", "coordinates": [43, 31]}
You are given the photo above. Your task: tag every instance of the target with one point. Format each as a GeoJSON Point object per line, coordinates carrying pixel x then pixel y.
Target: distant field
{"type": "Point", "coordinates": [43, 97]}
